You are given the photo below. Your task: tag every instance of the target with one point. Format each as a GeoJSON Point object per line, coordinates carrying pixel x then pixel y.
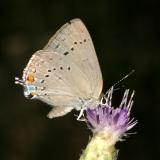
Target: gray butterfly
{"type": "Point", "coordinates": [65, 73]}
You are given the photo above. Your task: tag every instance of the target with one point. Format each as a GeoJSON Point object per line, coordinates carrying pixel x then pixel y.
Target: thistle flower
{"type": "Point", "coordinates": [108, 125]}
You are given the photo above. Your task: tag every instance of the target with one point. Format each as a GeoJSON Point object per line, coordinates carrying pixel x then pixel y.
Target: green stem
{"type": "Point", "coordinates": [101, 147]}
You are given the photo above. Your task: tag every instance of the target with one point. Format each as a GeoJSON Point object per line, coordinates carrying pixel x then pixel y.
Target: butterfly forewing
{"type": "Point", "coordinates": [74, 41]}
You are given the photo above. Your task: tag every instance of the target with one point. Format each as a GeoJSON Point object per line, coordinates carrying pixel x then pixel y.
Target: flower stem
{"type": "Point", "coordinates": [100, 147]}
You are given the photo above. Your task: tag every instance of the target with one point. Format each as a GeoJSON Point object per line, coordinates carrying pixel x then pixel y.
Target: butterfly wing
{"type": "Point", "coordinates": [58, 111]}
{"type": "Point", "coordinates": [66, 70]}
{"type": "Point", "coordinates": [73, 39]}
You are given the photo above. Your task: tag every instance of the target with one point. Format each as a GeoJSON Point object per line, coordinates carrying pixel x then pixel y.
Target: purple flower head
{"type": "Point", "coordinates": [115, 121]}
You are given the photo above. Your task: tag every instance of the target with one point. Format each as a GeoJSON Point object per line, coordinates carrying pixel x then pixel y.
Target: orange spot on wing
{"type": "Point", "coordinates": [30, 78]}
{"type": "Point", "coordinates": [34, 94]}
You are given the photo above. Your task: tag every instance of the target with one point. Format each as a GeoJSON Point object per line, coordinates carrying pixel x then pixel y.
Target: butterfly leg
{"type": "Point", "coordinates": [81, 114]}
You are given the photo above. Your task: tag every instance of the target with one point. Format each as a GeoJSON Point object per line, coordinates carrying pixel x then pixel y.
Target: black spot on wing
{"type": "Point", "coordinates": [57, 46]}
{"type": "Point", "coordinates": [49, 70]}
{"type": "Point", "coordinates": [65, 53]}
{"type": "Point", "coordinates": [42, 81]}
{"type": "Point", "coordinates": [46, 75]}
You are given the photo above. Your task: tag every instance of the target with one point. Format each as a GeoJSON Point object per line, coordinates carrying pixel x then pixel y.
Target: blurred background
{"type": "Point", "coordinates": [126, 35]}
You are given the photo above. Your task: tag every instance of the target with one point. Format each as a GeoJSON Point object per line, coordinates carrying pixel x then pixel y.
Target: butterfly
{"type": "Point", "coordinates": [65, 74]}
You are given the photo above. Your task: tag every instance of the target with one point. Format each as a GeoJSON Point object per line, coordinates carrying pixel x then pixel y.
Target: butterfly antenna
{"type": "Point", "coordinates": [126, 76]}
